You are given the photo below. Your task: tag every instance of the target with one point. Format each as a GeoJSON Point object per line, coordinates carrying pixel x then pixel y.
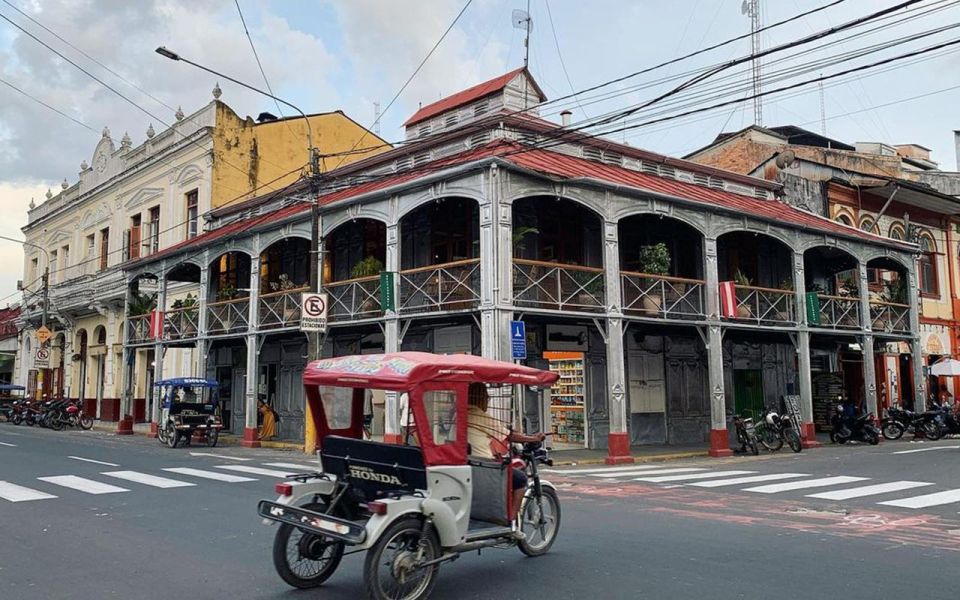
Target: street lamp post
{"type": "Point", "coordinates": [44, 295]}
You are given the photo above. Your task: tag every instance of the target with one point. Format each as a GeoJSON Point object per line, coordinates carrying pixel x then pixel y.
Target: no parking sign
{"type": "Point", "coordinates": [313, 316]}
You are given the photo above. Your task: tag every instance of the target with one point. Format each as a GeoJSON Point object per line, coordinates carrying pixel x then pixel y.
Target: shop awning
{"type": "Point", "coordinates": [947, 367]}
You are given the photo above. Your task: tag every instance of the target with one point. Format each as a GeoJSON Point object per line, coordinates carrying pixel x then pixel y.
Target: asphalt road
{"type": "Point", "coordinates": [620, 538]}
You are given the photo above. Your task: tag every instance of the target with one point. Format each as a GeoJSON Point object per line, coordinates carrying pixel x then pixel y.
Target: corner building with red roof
{"type": "Point", "coordinates": [613, 257]}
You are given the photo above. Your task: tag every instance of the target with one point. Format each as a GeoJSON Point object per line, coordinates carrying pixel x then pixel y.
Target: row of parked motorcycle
{"type": "Point", "coordinates": [940, 420]}
{"type": "Point", "coordinates": [771, 431]}
{"type": "Point", "coordinates": [53, 414]}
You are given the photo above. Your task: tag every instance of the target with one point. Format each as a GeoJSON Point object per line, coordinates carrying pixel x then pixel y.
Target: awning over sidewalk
{"type": "Point", "coordinates": [947, 367]}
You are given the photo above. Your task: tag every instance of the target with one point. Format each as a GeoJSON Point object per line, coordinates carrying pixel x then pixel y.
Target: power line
{"type": "Point", "coordinates": [41, 102]}
{"type": "Point", "coordinates": [255, 55]}
{"type": "Point", "coordinates": [412, 75]}
{"type": "Point", "coordinates": [556, 42]}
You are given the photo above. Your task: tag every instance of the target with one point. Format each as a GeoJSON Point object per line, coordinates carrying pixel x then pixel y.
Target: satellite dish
{"type": "Point", "coordinates": [521, 19]}
{"type": "Point", "coordinates": [786, 159]}
{"type": "Point", "coordinates": [745, 7]}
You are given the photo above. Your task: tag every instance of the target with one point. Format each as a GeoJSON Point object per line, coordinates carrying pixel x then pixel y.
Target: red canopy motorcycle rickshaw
{"type": "Point", "coordinates": [416, 505]}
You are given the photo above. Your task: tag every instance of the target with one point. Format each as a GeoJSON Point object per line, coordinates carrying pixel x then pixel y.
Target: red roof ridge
{"type": "Point", "coordinates": [470, 94]}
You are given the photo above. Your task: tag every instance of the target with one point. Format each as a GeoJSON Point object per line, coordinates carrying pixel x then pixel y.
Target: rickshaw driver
{"type": "Point", "coordinates": [489, 438]}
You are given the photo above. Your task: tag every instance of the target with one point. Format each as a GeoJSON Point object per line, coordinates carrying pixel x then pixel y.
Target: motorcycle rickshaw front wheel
{"type": "Point", "coordinates": [390, 570]}
{"type": "Point", "coordinates": [303, 559]}
{"type": "Point", "coordinates": [540, 523]}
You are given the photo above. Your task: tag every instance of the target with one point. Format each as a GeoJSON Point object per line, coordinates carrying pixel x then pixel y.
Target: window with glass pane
{"type": "Point", "coordinates": [192, 213]}
{"type": "Point", "coordinates": [441, 409]}
{"type": "Point", "coordinates": [154, 239]}
{"type": "Point", "coordinates": [53, 266]}
{"type": "Point", "coordinates": [337, 406]}
{"type": "Point", "coordinates": [928, 274]}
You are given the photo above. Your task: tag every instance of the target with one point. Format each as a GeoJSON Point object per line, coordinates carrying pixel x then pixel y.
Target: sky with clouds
{"type": "Point", "coordinates": [348, 54]}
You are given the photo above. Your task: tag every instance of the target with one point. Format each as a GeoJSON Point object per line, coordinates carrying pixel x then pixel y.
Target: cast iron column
{"type": "Point", "coordinates": [250, 439]}
{"type": "Point", "coordinates": [719, 438]}
{"type": "Point", "coordinates": [618, 440]}
{"type": "Point", "coordinates": [803, 353]}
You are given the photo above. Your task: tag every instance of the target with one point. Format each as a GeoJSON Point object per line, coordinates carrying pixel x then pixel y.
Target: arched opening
{"type": "Point", "coordinates": [80, 356]}
{"type": "Point", "coordinates": [355, 255]}
{"type": "Point", "coordinates": [928, 270]}
{"type": "Point", "coordinates": [59, 363]}
{"type": "Point", "coordinates": [558, 255]}
{"type": "Point", "coordinates": [182, 318]}
{"type": "Point", "coordinates": [142, 301]}
{"type": "Point", "coordinates": [761, 269]}
{"type": "Point", "coordinates": [870, 225]}
{"type": "Point", "coordinates": [229, 294]}
{"type": "Point", "coordinates": [897, 232]}
{"type": "Point", "coordinates": [661, 265]}
{"type": "Point", "coordinates": [889, 299]}
{"type": "Point", "coordinates": [832, 275]}
{"type": "Point", "coordinates": [440, 257]}
{"type": "Point", "coordinates": [844, 219]}
{"type": "Point", "coordinates": [284, 275]}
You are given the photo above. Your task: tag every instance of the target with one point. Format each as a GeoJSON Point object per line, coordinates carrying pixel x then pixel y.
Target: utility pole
{"type": "Point", "coordinates": [751, 8]}
{"type": "Point", "coordinates": [823, 110]}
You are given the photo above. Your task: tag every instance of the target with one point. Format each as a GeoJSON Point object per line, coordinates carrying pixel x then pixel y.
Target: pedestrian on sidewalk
{"type": "Point", "coordinates": [269, 427]}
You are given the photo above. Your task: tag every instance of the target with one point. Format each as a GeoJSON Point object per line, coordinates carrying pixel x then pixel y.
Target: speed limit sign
{"type": "Point", "coordinates": [313, 316]}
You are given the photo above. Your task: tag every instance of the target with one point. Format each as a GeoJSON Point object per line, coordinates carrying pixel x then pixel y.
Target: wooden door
{"type": "Point", "coordinates": [648, 397]}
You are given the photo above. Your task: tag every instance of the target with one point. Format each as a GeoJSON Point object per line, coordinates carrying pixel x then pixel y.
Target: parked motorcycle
{"type": "Point", "coordinates": [899, 421]}
{"type": "Point", "coordinates": [68, 413]}
{"type": "Point", "coordinates": [946, 420]}
{"type": "Point", "coordinates": [857, 428]}
{"type": "Point", "coordinates": [775, 429]}
{"type": "Point", "coordinates": [746, 434]}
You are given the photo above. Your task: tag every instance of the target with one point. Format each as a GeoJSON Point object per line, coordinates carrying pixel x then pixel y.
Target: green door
{"type": "Point", "coordinates": [748, 392]}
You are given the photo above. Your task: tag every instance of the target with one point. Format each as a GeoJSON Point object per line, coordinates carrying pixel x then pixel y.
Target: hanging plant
{"type": "Point", "coordinates": [226, 292]}
{"type": "Point", "coordinates": [368, 267]}
{"type": "Point", "coordinates": [141, 304]}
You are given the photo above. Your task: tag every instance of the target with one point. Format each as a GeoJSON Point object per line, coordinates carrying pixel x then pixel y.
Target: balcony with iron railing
{"type": "Point", "coordinates": [764, 306]}
{"type": "Point", "coordinates": [181, 323]}
{"type": "Point", "coordinates": [226, 317]}
{"type": "Point", "coordinates": [435, 288]}
{"type": "Point", "coordinates": [138, 329]}
{"type": "Point", "coordinates": [278, 310]}
{"type": "Point", "coordinates": [555, 286]}
{"type": "Point", "coordinates": [839, 312]}
{"type": "Point", "coordinates": [353, 299]}
{"type": "Point", "coordinates": [890, 317]}
{"type": "Point", "coordinates": [662, 297]}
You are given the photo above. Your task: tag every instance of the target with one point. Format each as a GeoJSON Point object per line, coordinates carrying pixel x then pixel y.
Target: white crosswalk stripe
{"type": "Point", "coordinates": [256, 470]}
{"type": "Point", "coordinates": [8, 444]}
{"type": "Point", "coordinates": [612, 470]}
{"type": "Point", "coordinates": [751, 479]}
{"type": "Point", "coordinates": [869, 490]}
{"type": "Point", "coordinates": [82, 484]}
{"type": "Point", "coordinates": [789, 486]}
{"type": "Point", "coordinates": [691, 476]}
{"type": "Point", "coordinates": [285, 465]}
{"type": "Point", "coordinates": [228, 478]}
{"type": "Point", "coordinates": [18, 493]}
{"type": "Point", "coordinates": [927, 500]}
{"type": "Point", "coordinates": [630, 474]}
{"type": "Point", "coordinates": [151, 480]}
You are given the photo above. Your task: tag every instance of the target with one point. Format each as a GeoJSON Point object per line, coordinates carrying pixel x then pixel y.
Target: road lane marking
{"type": "Point", "coordinates": [926, 449]}
{"type": "Point", "coordinates": [751, 479]}
{"type": "Point", "coordinates": [869, 490]}
{"type": "Point", "coordinates": [284, 465]}
{"type": "Point", "coordinates": [90, 460]}
{"type": "Point", "coordinates": [6, 444]}
{"type": "Point", "coordinates": [209, 475]}
{"type": "Point", "coordinates": [221, 456]}
{"type": "Point", "coordinates": [935, 499]}
{"type": "Point", "coordinates": [666, 478]}
{"type": "Point", "coordinates": [151, 480]}
{"type": "Point", "coordinates": [650, 472]}
{"type": "Point", "coordinates": [774, 488]}
{"type": "Point", "coordinates": [603, 470]}
{"type": "Point", "coordinates": [18, 493]}
{"type": "Point", "coordinates": [255, 470]}
{"type": "Point", "coordinates": [83, 485]}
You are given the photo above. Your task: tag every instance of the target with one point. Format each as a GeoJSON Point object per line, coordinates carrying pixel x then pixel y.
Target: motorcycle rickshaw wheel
{"type": "Point", "coordinates": [302, 559]}
{"type": "Point", "coordinates": [540, 527]}
{"type": "Point", "coordinates": [173, 436]}
{"type": "Point", "coordinates": [211, 436]}
{"type": "Point", "coordinates": [390, 571]}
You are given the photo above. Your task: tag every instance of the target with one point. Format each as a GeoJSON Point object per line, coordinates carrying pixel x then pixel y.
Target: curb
{"type": "Point", "coordinates": [636, 459]}
{"type": "Point", "coordinates": [224, 439]}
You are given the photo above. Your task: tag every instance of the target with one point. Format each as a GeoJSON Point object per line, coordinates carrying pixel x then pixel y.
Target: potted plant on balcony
{"type": "Point", "coordinates": [370, 266]}
{"type": "Point", "coordinates": [285, 284]}
{"type": "Point", "coordinates": [895, 292]}
{"type": "Point", "coordinates": [654, 260]}
{"type": "Point", "coordinates": [591, 287]}
{"type": "Point", "coordinates": [190, 314]}
{"type": "Point", "coordinates": [741, 280]}
{"type": "Point", "coordinates": [224, 313]}
{"type": "Point", "coordinates": [785, 301]}
{"type": "Point", "coordinates": [141, 304]}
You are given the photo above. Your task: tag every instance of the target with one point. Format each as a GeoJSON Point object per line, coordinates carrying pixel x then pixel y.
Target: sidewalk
{"type": "Point", "coordinates": [640, 454]}
{"type": "Point", "coordinates": [225, 439]}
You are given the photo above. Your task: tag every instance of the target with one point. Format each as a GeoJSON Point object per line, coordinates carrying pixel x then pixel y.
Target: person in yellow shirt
{"type": "Point", "coordinates": [269, 427]}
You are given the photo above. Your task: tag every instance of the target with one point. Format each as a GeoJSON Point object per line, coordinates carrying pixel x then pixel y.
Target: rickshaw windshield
{"type": "Point", "coordinates": [338, 405]}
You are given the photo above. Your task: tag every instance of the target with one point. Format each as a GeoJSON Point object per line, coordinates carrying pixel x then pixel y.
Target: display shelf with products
{"type": "Point", "coordinates": [567, 398]}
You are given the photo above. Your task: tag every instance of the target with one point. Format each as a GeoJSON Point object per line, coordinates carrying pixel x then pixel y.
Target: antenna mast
{"type": "Point", "coordinates": [823, 109]}
{"type": "Point", "coordinates": [376, 118]}
{"type": "Point", "coordinates": [751, 8]}
{"type": "Point", "coordinates": [521, 20]}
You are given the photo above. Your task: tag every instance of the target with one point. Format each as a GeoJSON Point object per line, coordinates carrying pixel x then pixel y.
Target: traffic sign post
{"type": "Point", "coordinates": [313, 316]}
{"type": "Point", "coordinates": [42, 359]}
{"type": "Point", "coordinates": [518, 340]}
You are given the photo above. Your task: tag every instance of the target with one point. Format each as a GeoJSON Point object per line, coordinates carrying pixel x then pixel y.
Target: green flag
{"type": "Point", "coordinates": [387, 300]}
{"type": "Point", "coordinates": [813, 308]}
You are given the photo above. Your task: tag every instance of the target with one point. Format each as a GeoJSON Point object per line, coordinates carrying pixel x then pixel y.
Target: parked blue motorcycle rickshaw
{"type": "Point", "coordinates": [189, 407]}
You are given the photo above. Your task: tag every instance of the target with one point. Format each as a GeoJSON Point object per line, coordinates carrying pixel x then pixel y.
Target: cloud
{"type": "Point", "coordinates": [14, 199]}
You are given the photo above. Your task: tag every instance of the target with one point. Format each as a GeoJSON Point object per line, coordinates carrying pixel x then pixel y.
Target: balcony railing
{"type": "Point", "coordinates": [765, 306]}
{"type": "Point", "coordinates": [661, 297]}
{"type": "Point", "coordinates": [450, 286]}
{"type": "Point", "coordinates": [228, 316]}
{"type": "Point", "coordinates": [181, 323]}
{"type": "Point", "coordinates": [889, 316]}
{"type": "Point", "coordinates": [556, 286]}
{"type": "Point", "coordinates": [839, 311]}
{"type": "Point", "coordinates": [138, 329]}
{"type": "Point", "coordinates": [280, 309]}
{"type": "Point", "coordinates": [353, 299]}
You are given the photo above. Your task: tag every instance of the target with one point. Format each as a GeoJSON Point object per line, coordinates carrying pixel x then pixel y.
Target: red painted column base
{"type": "Point", "coordinates": [250, 439]}
{"type": "Point", "coordinates": [720, 443]}
{"type": "Point", "coordinates": [392, 438]}
{"type": "Point", "coordinates": [125, 425]}
{"type": "Point", "coordinates": [153, 429]}
{"type": "Point", "coordinates": [810, 436]}
{"type": "Point", "coordinates": [618, 449]}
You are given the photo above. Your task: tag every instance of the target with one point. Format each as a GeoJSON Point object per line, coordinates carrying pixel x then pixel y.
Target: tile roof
{"type": "Point", "coordinates": [469, 95]}
{"type": "Point", "coordinates": [556, 165]}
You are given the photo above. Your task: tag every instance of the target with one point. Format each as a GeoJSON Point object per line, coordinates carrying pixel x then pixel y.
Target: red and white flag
{"type": "Point", "coordinates": [728, 299]}
{"type": "Point", "coordinates": [156, 324]}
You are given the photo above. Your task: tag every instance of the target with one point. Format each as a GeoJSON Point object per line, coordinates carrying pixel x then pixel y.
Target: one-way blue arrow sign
{"type": "Point", "coordinates": [518, 340]}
